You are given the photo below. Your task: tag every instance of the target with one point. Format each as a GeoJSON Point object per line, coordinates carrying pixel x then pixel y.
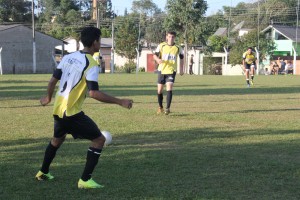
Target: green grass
{"type": "Point", "coordinates": [221, 141]}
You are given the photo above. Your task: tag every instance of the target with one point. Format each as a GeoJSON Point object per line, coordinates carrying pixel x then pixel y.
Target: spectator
{"type": "Point", "coordinates": [289, 68]}
{"type": "Point", "coordinates": [274, 68]}
{"type": "Point", "coordinates": [281, 66]}
{"type": "Point", "coordinates": [266, 72]}
{"type": "Point", "coordinates": [191, 62]}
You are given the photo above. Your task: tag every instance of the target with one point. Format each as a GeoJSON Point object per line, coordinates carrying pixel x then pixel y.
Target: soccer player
{"type": "Point", "coordinates": [166, 55]}
{"type": "Point", "coordinates": [78, 75]}
{"type": "Point", "coordinates": [249, 63]}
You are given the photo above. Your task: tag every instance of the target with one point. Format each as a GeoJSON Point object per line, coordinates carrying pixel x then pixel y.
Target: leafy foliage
{"type": "Point", "coordinates": [217, 43]}
{"type": "Point", "coordinates": [155, 32]}
{"type": "Point", "coordinates": [126, 38]}
{"type": "Point", "coordinates": [15, 11]}
{"type": "Point", "coordinates": [183, 16]}
{"type": "Point", "coordinates": [145, 6]}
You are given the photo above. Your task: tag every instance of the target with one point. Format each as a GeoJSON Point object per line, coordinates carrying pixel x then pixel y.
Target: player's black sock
{"type": "Point", "coordinates": [169, 98]}
{"type": "Point", "coordinates": [49, 155]}
{"type": "Point", "coordinates": [160, 100]}
{"type": "Point", "coordinates": [252, 77]}
{"type": "Point", "coordinates": [248, 81]}
{"type": "Point", "coordinates": [92, 158]}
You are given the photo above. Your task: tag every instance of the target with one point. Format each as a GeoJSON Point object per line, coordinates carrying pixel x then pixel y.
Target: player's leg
{"type": "Point", "coordinates": [252, 74]}
{"type": "Point", "coordinates": [84, 127]}
{"type": "Point", "coordinates": [50, 152]}
{"type": "Point", "coordinates": [169, 87]}
{"type": "Point", "coordinates": [247, 69]}
{"type": "Point", "coordinates": [92, 158]}
{"type": "Point", "coordinates": [160, 87]}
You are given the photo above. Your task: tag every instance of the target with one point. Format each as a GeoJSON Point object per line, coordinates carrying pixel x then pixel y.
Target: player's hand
{"type": "Point", "coordinates": [45, 100]}
{"type": "Point", "coordinates": [127, 103]}
{"type": "Point", "coordinates": [159, 61]}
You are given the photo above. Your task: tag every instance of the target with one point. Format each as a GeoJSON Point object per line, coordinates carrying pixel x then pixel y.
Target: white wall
{"type": "Point", "coordinates": [232, 70]}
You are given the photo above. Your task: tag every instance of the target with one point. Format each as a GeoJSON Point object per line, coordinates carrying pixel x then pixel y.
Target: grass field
{"type": "Point", "coordinates": [221, 141]}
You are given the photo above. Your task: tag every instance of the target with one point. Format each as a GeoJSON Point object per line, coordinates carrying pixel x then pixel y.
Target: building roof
{"type": "Point", "coordinates": [11, 26]}
{"type": "Point", "coordinates": [238, 27]}
{"type": "Point", "coordinates": [5, 27]}
{"type": "Point", "coordinates": [287, 31]}
{"type": "Point", "coordinates": [221, 32]}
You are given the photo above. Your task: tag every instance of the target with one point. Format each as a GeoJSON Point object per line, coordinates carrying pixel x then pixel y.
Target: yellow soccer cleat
{"type": "Point", "coordinates": [89, 184]}
{"type": "Point", "coordinates": [40, 176]}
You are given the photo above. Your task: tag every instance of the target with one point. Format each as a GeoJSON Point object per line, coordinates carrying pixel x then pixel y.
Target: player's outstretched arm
{"type": "Point", "coordinates": [51, 87]}
{"type": "Point", "coordinates": [101, 96]}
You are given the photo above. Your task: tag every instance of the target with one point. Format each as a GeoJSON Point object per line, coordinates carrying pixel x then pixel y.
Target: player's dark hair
{"type": "Point", "coordinates": [89, 35]}
{"type": "Point", "coordinates": [171, 33]}
{"type": "Point", "coordinates": [250, 48]}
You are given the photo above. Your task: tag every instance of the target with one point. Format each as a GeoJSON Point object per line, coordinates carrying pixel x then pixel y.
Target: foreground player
{"type": "Point", "coordinates": [166, 56]}
{"type": "Point", "coordinates": [78, 74]}
{"type": "Point", "coordinates": [249, 63]}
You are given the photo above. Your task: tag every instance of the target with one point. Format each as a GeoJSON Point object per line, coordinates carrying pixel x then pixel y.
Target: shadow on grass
{"type": "Point", "coordinates": [182, 164]}
{"type": "Point", "coordinates": [35, 92]}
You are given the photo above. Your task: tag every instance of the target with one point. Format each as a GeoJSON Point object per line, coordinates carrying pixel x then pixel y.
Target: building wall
{"type": "Point", "coordinates": [284, 45]}
{"type": "Point", "coordinates": [17, 51]}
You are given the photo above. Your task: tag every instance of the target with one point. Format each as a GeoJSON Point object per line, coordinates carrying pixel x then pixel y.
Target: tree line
{"type": "Point", "coordinates": [146, 24]}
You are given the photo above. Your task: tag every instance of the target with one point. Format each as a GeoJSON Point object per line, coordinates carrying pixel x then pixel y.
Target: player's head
{"type": "Point", "coordinates": [171, 37]}
{"type": "Point", "coordinates": [249, 49]}
{"type": "Point", "coordinates": [89, 36]}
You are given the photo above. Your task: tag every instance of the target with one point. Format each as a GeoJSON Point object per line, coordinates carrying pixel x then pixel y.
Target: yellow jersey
{"type": "Point", "coordinates": [168, 54]}
{"type": "Point", "coordinates": [76, 68]}
{"type": "Point", "coordinates": [249, 58]}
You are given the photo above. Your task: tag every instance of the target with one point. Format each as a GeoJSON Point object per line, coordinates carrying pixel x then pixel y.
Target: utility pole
{"type": "Point", "coordinates": [33, 40]}
{"type": "Point", "coordinates": [257, 48]}
{"type": "Point", "coordinates": [138, 47]}
{"type": "Point", "coordinates": [229, 21]}
{"type": "Point", "coordinates": [112, 56]}
{"type": "Point", "coordinates": [295, 50]}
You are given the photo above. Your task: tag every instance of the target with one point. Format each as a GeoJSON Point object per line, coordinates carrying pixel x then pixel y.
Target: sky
{"type": "Point", "coordinates": [214, 5]}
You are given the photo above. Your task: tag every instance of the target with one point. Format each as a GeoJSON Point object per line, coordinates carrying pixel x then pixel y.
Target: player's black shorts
{"type": "Point", "coordinates": [79, 126]}
{"type": "Point", "coordinates": [248, 66]}
{"type": "Point", "coordinates": [163, 78]}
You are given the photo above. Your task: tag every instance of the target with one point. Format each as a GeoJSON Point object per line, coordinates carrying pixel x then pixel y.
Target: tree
{"type": "Point", "coordinates": [109, 12]}
{"type": "Point", "coordinates": [72, 16]}
{"type": "Point", "coordinates": [155, 32]}
{"type": "Point", "coordinates": [126, 37]}
{"type": "Point", "coordinates": [15, 11]}
{"type": "Point", "coordinates": [250, 40]}
{"type": "Point", "coordinates": [146, 7]}
{"type": "Point", "coordinates": [184, 16]}
{"type": "Point", "coordinates": [216, 43]}
{"type": "Point", "coordinates": [125, 12]}
{"type": "Point", "coordinates": [262, 13]}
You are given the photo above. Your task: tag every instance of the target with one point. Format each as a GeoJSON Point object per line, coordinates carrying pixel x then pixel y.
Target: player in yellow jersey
{"type": "Point", "coordinates": [249, 63]}
{"type": "Point", "coordinates": [78, 75]}
{"type": "Point", "coordinates": [166, 56]}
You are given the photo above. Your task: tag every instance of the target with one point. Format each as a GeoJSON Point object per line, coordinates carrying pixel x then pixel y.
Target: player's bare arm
{"type": "Point", "coordinates": [157, 59]}
{"type": "Point", "coordinates": [101, 96]}
{"type": "Point", "coordinates": [51, 87]}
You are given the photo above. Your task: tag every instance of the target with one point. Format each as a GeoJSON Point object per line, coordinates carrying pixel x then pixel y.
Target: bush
{"type": "Point", "coordinates": [129, 66]}
{"type": "Point", "coordinates": [142, 69]}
